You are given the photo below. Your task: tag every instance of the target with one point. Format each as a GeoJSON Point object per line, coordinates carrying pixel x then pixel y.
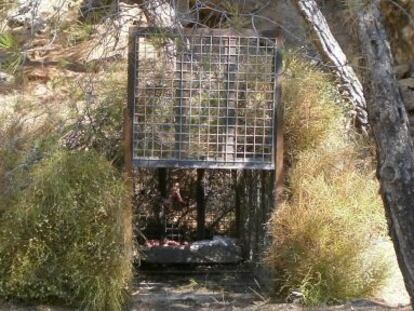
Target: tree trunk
{"type": "Point", "coordinates": [389, 123]}
{"type": "Point", "coordinates": [331, 50]}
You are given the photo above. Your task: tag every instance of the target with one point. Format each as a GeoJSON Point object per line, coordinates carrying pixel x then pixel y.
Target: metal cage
{"type": "Point", "coordinates": [203, 98]}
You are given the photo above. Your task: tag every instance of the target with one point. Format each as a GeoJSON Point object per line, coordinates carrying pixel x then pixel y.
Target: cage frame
{"type": "Point", "coordinates": [135, 33]}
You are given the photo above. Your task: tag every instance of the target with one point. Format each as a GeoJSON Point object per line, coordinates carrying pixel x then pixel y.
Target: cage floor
{"type": "Point", "coordinates": [219, 250]}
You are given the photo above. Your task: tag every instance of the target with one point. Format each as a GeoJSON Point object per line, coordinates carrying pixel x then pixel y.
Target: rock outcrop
{"type": "Point", "coordinates": [37, 14]}
{"type": "Point", "coordinates": [6, 81]}
{"type": "Point", "coordinates": [405, 74]}
{"type": "Point", "coordinates": [399, 18]}
{"type": "Point", "coordinates": [112, 34]}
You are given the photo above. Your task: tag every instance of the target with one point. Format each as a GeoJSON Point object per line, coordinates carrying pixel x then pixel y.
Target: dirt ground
{"type": "Point", "coordinates": [365, 306]}
{"type": "Point", "coordinates": [208, 302]}
{"type": "Point", "coordinates": [224, 291]}
{"type": "Point", "coordinates": [224, 288]}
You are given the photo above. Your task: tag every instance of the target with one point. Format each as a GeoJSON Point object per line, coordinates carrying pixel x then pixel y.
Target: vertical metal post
{"type": "Point", "coordinates": [129, 112]}
{"type": "Point", "coordinates": [237, 202]}
{"type": "Point", "coordinates": [162, 188]}
{"type": "Point", "coordinates": [277, 126]}
{"type": "Point", "coordinates": [128, 139]}
{"type": "Point", "coordinates": [201, 208]}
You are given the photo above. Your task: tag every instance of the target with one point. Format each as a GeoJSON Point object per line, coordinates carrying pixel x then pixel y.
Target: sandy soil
{"type": "Point", "coordinates": [228, 288]}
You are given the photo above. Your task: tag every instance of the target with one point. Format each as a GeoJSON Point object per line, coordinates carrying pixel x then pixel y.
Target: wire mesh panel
{"type": "Point", "coordinates": [203, 99]}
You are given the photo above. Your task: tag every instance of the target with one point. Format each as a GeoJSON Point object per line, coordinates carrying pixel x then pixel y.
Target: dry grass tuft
{"type": "Point", "coordinates": [333, 214]}
{"type": "Point", "coordinates": [310, 111]}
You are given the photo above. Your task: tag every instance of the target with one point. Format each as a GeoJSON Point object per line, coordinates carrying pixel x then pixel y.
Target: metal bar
{"type": "Point", "coordinates": [129, 113]}
{"type": "Point", "coordinates": [202, 164]}
{"type": "Point", "coordinates": [210, 55]}
{"type": "Point", "coordinates": [189, 32]}
{"type": "Point", "coordinates": [237, 100]}
{"type": "Point", "coordinates": [201, 205]}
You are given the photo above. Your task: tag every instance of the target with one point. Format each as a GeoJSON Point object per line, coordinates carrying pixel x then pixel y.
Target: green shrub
{"type": "Point", "coordinates": [10, 51]}
{"type": "Point", "coordinates": [99, 123]}
{"type": "Point", "coordinates": [74, 33]}
{"type": "Point", "coordinates": [27, 134]}
{"type": "Point", "coordinates": [69, 235]}
{"type": "Point", "coordinates": [332, 217]}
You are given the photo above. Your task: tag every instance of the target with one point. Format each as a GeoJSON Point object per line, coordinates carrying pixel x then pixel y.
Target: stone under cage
{"type": "Point", "coordinates": [203, 108]}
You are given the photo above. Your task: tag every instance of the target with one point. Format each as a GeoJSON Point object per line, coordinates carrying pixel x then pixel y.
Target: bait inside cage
{"type": "Point", "coordinates": [202, 99]}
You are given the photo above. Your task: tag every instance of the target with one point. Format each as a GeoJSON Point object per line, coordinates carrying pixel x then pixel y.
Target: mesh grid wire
{"type": "Point", "coordinates": [203, 100]}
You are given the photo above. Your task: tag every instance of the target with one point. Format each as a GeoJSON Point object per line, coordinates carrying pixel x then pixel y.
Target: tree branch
{"type": "Point", "coordinates": [331, 50]}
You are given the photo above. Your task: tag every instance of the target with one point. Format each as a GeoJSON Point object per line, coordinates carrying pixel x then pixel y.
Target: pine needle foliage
{"type": "Point", "coordinates": [11, 57]}
{"type": "Point", "coordinates": [66, 238]}
{"type": "Point", "coordinates": [311, 104]}
{"type": "Point", "coordinates": [326, 234]}
{"type": "Point", "coordinates": [27, 134]}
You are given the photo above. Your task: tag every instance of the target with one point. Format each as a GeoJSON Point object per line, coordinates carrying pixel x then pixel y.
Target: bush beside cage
{"type": "Point", "coordinates": [326, 235]}
{"type": "Point", "coordinates": [67, 237]}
